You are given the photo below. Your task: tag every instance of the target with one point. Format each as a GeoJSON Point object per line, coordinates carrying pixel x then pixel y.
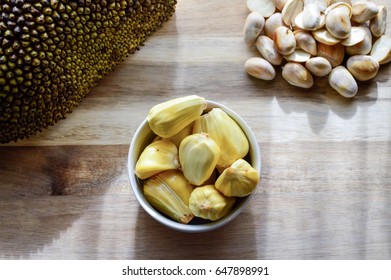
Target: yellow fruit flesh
{"type": "Point", "coordinates": [226, 133]}
{"type": "Point", "coordinates": [208, 203]}
{"type": "Point", "coordinates": [166, 200]}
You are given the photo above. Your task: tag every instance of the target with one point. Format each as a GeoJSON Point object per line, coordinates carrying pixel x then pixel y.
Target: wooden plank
{"type": "Point", "coordinates": [63, 170]}
{"type": "Point", "coordinates": [325, 189]}
{"type": "Point", "coordinates": [312, 203]}
{"type": "Point", "coordinates": [277, 225]}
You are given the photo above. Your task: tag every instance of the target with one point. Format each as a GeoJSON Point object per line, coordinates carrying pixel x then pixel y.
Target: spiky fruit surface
{"type": "Point", "coordinates": [53, 51]}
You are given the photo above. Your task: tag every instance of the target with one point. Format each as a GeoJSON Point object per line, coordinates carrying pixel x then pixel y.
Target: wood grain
{"type": "Point", "coordinates": [325, 189]}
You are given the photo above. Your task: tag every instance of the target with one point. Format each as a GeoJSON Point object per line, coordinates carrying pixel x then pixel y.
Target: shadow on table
{"type": "Point", "coordinates": [45, 190]}
{"type": "Point", "coordinates": [235, 240]}
{"type": "Point", "coordinates": [321, 101]}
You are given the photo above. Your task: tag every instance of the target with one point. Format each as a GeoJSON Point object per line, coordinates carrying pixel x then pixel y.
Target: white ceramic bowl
{"type": "Point", "coordinates": [144, 135]}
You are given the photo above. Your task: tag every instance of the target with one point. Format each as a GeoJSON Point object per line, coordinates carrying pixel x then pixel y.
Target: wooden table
{"type": "Point", "coordinates": [326, 161]}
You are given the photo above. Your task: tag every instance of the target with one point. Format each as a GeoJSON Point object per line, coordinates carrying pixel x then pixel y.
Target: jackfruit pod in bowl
{"type": "Point", "coordinates": [144, 136]}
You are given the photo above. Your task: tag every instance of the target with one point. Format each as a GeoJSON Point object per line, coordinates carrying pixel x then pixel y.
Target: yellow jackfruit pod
{"type": "Point", "coordinates": [158, 156]}
{"type": "Point", "coordinates": [208, 203]}
{"type": "Point", "coordinates": [178, 183]}
{"type": "Point", "coordinates": [177, 138]}
{"type": "Point", "coordinates": [168, 118]}
{"type": "Point", "coordinates": [198, 156]}
{"type": "Point", "coordinates": [212, 178]}
{"type": "Point", "coordinates": [157, 138]}
{"type": "Point", "coordinates": [169, 195]}
{"type": "Point", "coordinates": [240, 179]}
{"type": "Point", "coordinates": [226, 133]}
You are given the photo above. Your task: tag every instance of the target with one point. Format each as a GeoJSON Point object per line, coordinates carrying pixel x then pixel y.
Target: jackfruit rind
{"type": "Point", "coordinates": [53, 51]}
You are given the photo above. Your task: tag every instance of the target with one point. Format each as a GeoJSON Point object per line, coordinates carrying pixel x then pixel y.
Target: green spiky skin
{"type": "Point", "coordinates": [53, 51]}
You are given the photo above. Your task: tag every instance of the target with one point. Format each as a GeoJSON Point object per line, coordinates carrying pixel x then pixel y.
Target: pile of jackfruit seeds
{"type": "Point", "coordinates": [53, 51]}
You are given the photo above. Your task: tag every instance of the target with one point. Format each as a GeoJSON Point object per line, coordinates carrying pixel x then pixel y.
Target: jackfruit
{"type": "Point", "coordinates": [53, 51]}
{"type": "Point", "coordinates": [169, 118]}
{"type": "Point", "coordinates": [157, 157]}
{"type": "Point", "coordinates": [240, 179]}
{"type": "Point", "coordinates": [208, 203]}
{"type": "Point", "coordinates": [169, 193]}
{"type": "Point", "coordinates": [228, 135]}
{"type": "Point", "coordinates": [198, 156]}
{"type": "Point", "coordinates": [178, 183]}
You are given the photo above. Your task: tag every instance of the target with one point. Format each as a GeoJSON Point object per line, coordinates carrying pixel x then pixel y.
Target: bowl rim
{"type": "Point", "coordinates": [144, 131]}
